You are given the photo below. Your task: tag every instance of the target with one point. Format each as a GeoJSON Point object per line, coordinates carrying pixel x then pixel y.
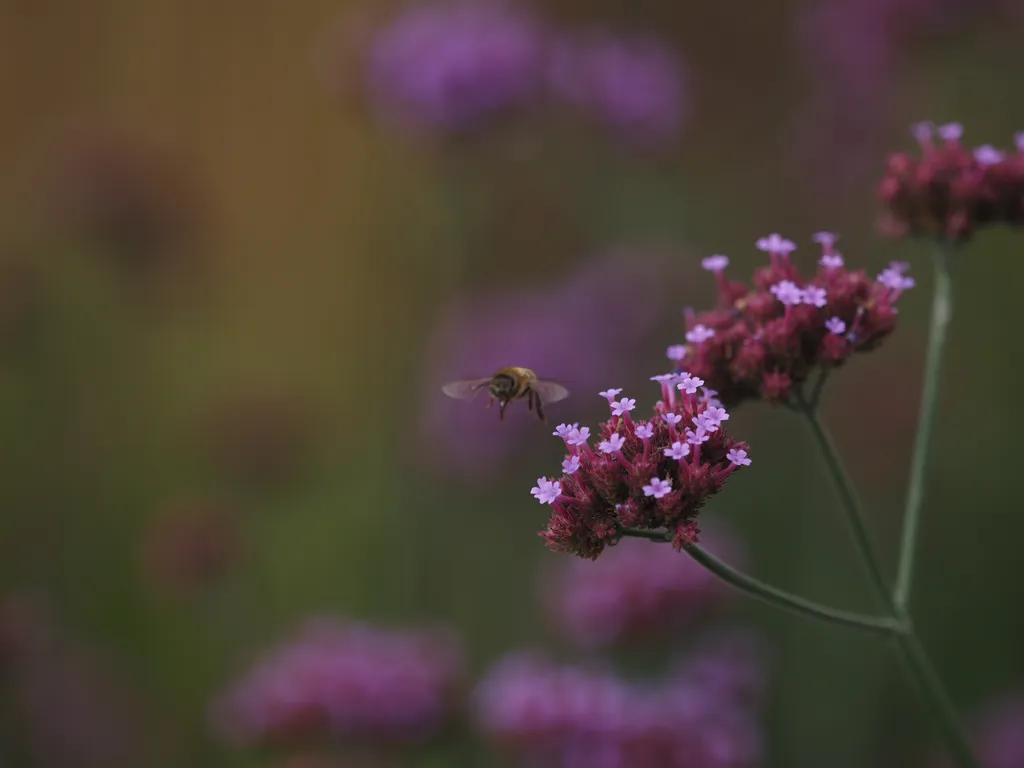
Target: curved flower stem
{"type": "Point", "coordinates": [765, 592]}
{"type": "Point", "coordinates": [849, 501]}
{"type": "Point", "coordinates": [913, 655]}
{"type": "Point", "coordinates": [942, 312]}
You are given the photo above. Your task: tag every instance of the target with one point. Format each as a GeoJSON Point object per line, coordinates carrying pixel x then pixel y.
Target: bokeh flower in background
{"type": "Point", "coordinates": [451, 67]}
{"type": "Point", "coordinates": [633, 87]}
{"type": "Point", "coordinates": [951, 190]}
{"type": "Point", "coordinates": [999, 733]}
{"type": "Point", "coordinates": [567, 716]}
{"type": "Point", "coordinates": [582, 330]}
{"type": "Point", "coordinates": [345, 683]}
{"type": "Point", "coordinates": [636, 593]}
{"type": "Point", "coordinates": [764, 343]}
{"type": "Point", "coordinates": [128, 199]}
{"type": "Point", "coordinates": [191, 546]}
{"type": "Point", "coordinates": [259, 440]}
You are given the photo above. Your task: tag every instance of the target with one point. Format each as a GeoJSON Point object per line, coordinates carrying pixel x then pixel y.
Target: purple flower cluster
{"type": "Point", "coordinates": [344, 682]}
{"type": "Point", "coordinates": [540, 328]}
{"type": "Point", "coordinates": [765, 340]}
{"type": "Point", "coordinates": [558, 716]}
{"type": "Point", "coordinates": [635, 592]}
{"type": "Point", "coordinates": [649, 474]}
{"type": "Point", "coordinates": [999, 733]}
{"type": "Point", "coordinates": [451, 67]}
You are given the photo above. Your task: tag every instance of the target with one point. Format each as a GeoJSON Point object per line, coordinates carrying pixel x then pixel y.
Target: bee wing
{"type": "Point", "coordinates": [550, 391]}
{"type": "Point", "coordinates": [465, 389]}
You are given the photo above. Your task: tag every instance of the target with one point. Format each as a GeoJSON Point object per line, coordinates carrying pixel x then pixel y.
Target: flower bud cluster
{"type": "Point", "coordinates": [951, 191]}
{"type": "Point", "coordinates": [344, 683]}
{"type": "Point", "coordinates": [764, 341]}
{"type": "Point", "coordinates": [650, 474]}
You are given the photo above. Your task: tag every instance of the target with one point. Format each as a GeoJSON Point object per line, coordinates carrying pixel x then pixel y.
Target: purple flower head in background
{"type": "Point", "coordinates": [451, 66]}
{"type": "Point", "coordinates": [555, 715]}
{"type": "Point", "coordinates": [347, 682]}
{"type": "Point", "coordinates": [999, 733]}
{"type": "Point", "coordinates": [633, 86]}
{"type": "Point", "coordinates": [634, 592]}
{"type": "Point", "coordinates": [582, 330]}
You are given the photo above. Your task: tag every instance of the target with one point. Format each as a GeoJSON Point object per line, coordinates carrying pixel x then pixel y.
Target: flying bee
{"type": "Point", "coordinates": [508, 384]}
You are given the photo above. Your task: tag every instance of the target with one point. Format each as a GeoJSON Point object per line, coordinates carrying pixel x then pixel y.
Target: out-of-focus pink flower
{"type": "Point", "coordinates": [635, 592]}
{"type": "Point", "coordinates": [580, 330]}
{"type": "Point", "coordinates": [347, 683]}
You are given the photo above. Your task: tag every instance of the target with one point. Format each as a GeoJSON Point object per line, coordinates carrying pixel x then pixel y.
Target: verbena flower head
{"type": "Point", "coordinates": [646, 480]}
{"type": "Point", "coordinates": [949, 190]}
{"type": "Point", "coordinates": [763, 341]}
{"type": "Point", "coordinates": [559, 715]}
{"type": "Point", "coordinates": [635, 593]}
{"type": "Point", "coordinates": [347, 683]}
{"type": "Point", "coordinates": [999, 733]}
{"type": "Point", "coordinates": [634, 87]}
{"type": "Point", "coordinates": [450, 67]}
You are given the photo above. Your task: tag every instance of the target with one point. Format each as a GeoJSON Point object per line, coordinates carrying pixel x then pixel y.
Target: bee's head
{"type": "Point", "coordinates": [503, 386]}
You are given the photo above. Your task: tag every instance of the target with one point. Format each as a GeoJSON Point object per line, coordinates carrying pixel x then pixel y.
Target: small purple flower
{"type": "Point", "coordinates": [546, 491]}
{"type": "Point", "coordinates": [699, 334]}
{"type": "Point", "coordinates": [716, 263]}
{"type": "Point", "coordinates": [610, 394]}
{"type": "Point", "coordinates": [900, 266]}
{"type": "Point", "coordinates": [716, 414]}
{"type": "Point", "coordinates": [658, 488]}
{"type": "Point", "coordinates": [676, 352]}
{"type": "Point", "coordinates": [831, 261]}
{"type": "Point", "coordinates": [950, 131]}
{"type": "Point", "coordinates": [836, 326]}
{"type": "Point", "coordinates": [644, 431]}
{"type": "Point", "coordinates": [672, 418]}
{"type": "Point", "coordinates": [571, 464]}
{"type": "Point", "coordinates": [826, 239]}
{"type": "Point", "coordinates": [665, 378]}
{"type": "Point", "coordinates": [612, 445]}
{"type": "Point", "coordinates": [690, 384]}
{"type": "Point", "coordinates": [738, 457]}
{"type": "Point", "coordinates": [678, 450]}
{"type": "Point", "coordinates": [578, 436]}
{"type": "Point", "coordinates": [787, 292]}
{"type": "Point", "coordinates": [776, 243]}
{"type": "Point", "coordinates": [988, 155]}
{"type": "Point", "coordinates": [697, 437]}
{"type": "Point", "coordinates": [563, 430]}
{"type": "Point", "coordinates": [923, 131]}
{"type": "Point", "coordinates": [816, 297]}
{"type": "Point", "coordinates": [623, 406]}
{"type": "Point", "coordinates": [894, 280]}
{"type": "Point", "coordinates": [1018, 140]}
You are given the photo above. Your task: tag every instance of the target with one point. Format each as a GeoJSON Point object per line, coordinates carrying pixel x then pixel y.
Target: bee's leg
{"type": "Point", "coordinates": [501, 410]}
{"type": "Point", "coordinates": [540, 409]}
{"type": "Point", "coordinates": [529, 399]}
{"type": "Point", "coordinates": [490, 402]}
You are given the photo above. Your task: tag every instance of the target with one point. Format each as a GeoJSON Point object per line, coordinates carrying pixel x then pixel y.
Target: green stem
{"type": "Point", "coordinates": [916, 661]}
{"type": "Point", "coordinates": [942, 311]}
{"type": "Point", "coordinates": [774, 596]}
{"type": "Point", "coordinates": [848, 499]}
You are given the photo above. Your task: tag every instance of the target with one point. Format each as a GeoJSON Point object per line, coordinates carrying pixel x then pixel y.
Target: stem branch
{"type": "Point", "coordinates": [942, 311]}
{"type": "Point", "coordinates": [766, 593]}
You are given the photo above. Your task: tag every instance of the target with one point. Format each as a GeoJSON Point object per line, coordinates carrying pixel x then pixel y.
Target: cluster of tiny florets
{"type": "Point", "coordinates": [950, 191]}
{"type": "Point", "coordinates": [344, 683]}
{"type": "Point", "coordinates": [764, 341]}
{"type": "Point", "coordinates": [650, 474]}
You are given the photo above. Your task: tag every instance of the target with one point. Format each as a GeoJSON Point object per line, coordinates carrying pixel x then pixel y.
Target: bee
{"type": "Point", "coordinates": [508, 384]}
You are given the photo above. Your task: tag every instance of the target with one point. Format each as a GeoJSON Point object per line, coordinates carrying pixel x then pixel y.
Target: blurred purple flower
{"type": "Point", "coordinates": [634, 592]}
{"type": "Point", "coordinates": [634, 87]}
{"type": "Point", "coordinates": [347, 682]}
{"type": "Point", "coordinates": [567, 716]}
{"type": "Point", "coordinates": [581, 330]}
{"type": "Point", "coordinates": [999, 733]}
{"type": "Point", "coordinates": [449, 67]}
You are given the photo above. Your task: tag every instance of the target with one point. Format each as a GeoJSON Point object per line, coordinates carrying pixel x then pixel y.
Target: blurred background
{"type": "Point", "coordinates": [242, 245]}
